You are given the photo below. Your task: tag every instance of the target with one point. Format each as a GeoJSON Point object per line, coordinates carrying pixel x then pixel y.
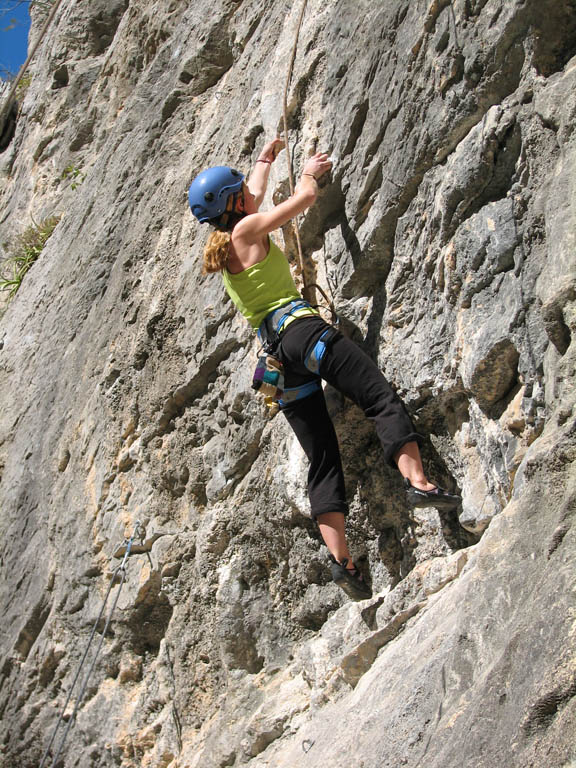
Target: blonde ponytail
{"type": "Point", "coordinates": [216, 252]}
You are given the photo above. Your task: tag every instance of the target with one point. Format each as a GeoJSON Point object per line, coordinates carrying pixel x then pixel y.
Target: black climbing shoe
{"type": "Point", "coordinates": [437, 497]}
{"type": "Point", "coordinates": [350, 581]}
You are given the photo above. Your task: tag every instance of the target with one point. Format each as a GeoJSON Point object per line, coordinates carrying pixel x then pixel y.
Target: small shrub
{"type": "Point", "coordinates": [22, 88]}
{"type": "Point", "coordinates": [73, 174]}
{"type": "Point", "coordinates": [27, 249]}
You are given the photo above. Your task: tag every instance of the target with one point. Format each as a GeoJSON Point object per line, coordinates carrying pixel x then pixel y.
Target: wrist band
{"type": "Point", "coordinates": [310, 174]}
{"type": "Point", "coordinates": [269, 162]}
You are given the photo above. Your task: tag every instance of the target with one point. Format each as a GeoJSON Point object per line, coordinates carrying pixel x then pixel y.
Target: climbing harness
{"type": "Point", "coordinates": [139, 531]}
{"type": "Point", "coordinates": [314, 358]}
{"type": "Point", "coordinates": [274, 322]}
{"type": "Point", "coordinates": [307, 289]}
{"type": "Point", "coordinates": [312, 362]}
{"type": "Point", "coordinates": [268, 378]}
{"type": "Point", "coordinates": [298, 393]}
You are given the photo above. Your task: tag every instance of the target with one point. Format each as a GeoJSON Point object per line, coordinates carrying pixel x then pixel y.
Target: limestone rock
{"type": "Point", "coordinates": [445, 237]}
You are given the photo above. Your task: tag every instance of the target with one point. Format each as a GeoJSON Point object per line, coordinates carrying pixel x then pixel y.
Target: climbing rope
{"type": "Point", "coordinates": [285, 121]}
{"type": "Point", "coordinates": [307, 287]}
{"type": "Point", "coordinates": [121, 569]}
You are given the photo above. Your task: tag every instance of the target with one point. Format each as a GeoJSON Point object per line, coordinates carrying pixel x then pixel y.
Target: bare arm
{"type": "Point", "coordinates": [257, 225]}
{"type": "Point", "coordinates": [258, 180]}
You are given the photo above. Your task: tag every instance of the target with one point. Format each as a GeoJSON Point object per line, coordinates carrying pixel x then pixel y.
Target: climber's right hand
{"type": "Point", "coordinates": [318, 165]}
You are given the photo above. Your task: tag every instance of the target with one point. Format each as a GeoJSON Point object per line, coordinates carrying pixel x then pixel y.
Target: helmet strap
{"type": "Point", "coordinates": [224, 220]}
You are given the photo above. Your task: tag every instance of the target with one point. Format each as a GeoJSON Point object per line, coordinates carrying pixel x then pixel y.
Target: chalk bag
{"type": "Point", "coordinates": [268, 379]}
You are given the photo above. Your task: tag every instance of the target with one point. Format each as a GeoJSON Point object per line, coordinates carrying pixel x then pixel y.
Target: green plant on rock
{"type": "Point", "coordinates": [73, 174]}
{"type": "Point", "coordinates": [27, 249]}
{"type": "Point", "coordinates": [23, 85]}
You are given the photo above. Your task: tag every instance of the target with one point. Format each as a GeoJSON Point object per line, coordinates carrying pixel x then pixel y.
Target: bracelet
{"type": "Point", "coordinates": [264, 161]}
{"type": "Point", "coordinates": [310, 174]}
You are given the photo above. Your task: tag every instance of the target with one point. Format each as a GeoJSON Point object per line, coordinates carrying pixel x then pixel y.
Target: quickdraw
{"type": "Point", "coordinates": [119, 573]}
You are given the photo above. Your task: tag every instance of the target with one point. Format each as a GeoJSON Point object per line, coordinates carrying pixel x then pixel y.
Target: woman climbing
{"type": "Point", "coordinates": [257, 277]}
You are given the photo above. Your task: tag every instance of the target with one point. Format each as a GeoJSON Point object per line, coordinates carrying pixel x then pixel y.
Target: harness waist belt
{"type": "Point", "coordinates": [276, 321]}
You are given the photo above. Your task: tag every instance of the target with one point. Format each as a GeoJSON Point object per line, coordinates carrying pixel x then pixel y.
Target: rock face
{"type": "Point", "coordinates": [446, 237]}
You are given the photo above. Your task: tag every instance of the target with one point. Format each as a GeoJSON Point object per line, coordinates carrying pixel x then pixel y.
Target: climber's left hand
{"type": "Point", "coordinates": [270, 150]}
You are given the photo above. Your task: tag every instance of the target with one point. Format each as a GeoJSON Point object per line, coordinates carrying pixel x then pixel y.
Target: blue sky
{"type": "Point", "coordinates": [14, 26]}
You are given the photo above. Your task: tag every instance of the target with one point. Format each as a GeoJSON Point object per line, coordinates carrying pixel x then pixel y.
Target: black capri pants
{"type": "Point", "coordinates": [349, 370]}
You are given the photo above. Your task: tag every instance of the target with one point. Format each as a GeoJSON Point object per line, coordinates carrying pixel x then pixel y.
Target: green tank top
{"type": "Point", "coordinates": [263, 287]}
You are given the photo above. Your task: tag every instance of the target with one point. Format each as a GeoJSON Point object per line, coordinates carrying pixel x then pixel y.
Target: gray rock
{"type": "Point", "coordinates": [445, 236]}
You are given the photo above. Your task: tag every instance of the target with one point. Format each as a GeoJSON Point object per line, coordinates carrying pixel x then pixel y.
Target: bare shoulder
{"type": "Point", "coordinates": [244, 250]}
{"type": "Point", "coordinates": [248, 229]}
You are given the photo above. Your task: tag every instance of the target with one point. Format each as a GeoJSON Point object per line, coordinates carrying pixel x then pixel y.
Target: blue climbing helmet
{"type": "Point", "coordinates": [209, 192]}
